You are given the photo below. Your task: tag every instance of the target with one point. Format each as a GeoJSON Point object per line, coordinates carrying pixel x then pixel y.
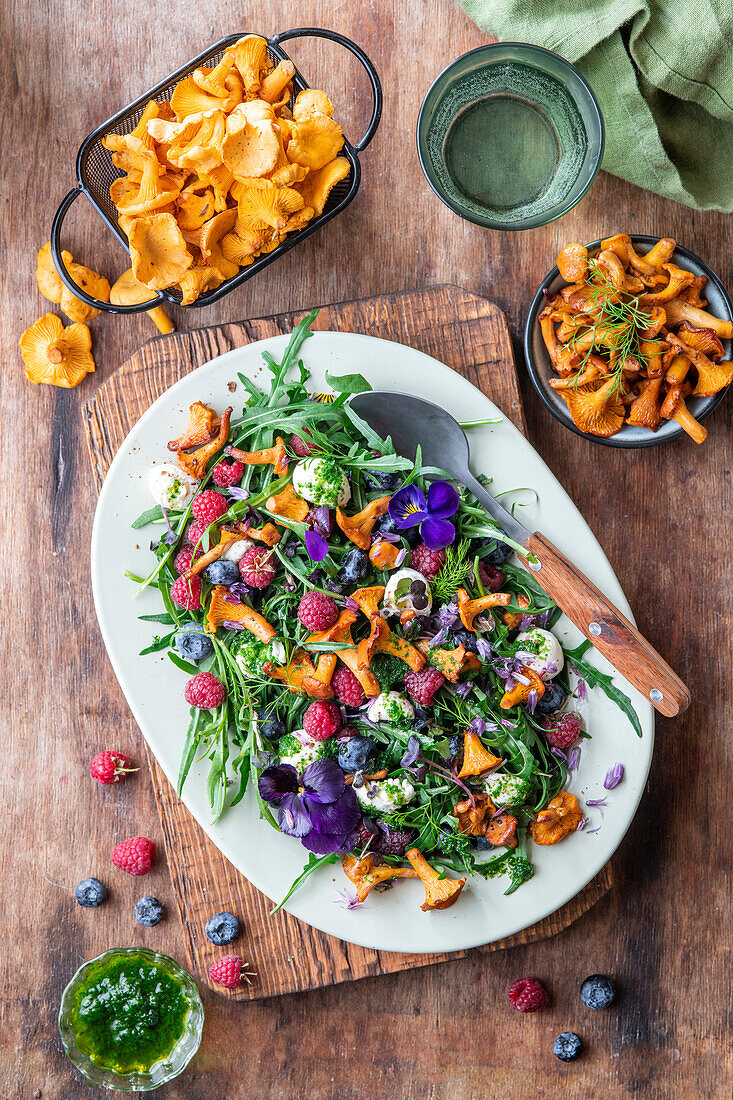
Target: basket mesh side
{"type": "Point", "coordinates": [98, 172]}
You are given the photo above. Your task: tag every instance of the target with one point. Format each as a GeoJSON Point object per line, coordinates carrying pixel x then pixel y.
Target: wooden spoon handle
{"type": "Point", "coordinates": [607, 628]}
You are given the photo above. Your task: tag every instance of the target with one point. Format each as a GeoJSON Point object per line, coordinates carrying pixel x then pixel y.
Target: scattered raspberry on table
{"type": "Point", "coordinates": [204, 691]}
{"type": "Point", "coordinates": [422, 685]}
{"type": "Point", "coordinates": [135, 856]}
{"type": "Point", "coordinates": [110, 766]}
{"type": "Point", "coordinates": [317, 611]}
{"type": "Point", "coordinates": [347, 688]}
{"type": "Point", "coordinates": [321, 720]}
{"type": "Point", "coordinates": [227, 971]}
{"type": "Point", "coordinates": [209, 506]}
{"type": "Point", "coordinates": [528, 995]}
{"type": "Point", "coordinates": [187, 593]}
{"type": "Point", "coordinates": [426, 561]}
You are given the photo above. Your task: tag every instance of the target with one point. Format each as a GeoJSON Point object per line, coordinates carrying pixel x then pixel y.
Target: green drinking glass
{"type": "Point", "coordinates": [510, 136]}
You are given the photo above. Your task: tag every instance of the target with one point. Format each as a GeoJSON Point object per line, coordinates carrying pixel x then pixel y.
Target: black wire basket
{"type": "Point", "coordinates": [95, 171]}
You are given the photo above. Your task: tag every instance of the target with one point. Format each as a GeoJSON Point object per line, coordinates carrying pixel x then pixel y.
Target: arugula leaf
{"type": "Point", "coordinates": [185, 666]}
{"type": "Point", "coordinates": [152, 515]}
{"type": "Point", "coordinates": [163, 618]}
{"type": "Point", "coordinates": [157, 644]}
{"type": "Point", "coordinates": [347, 383]}
{"type": "Point", "coordinates": [596, 678]}
{"type": "Point", "coordinates": [314, 862]}
{"type": "Point", "coordinates": [189, 749]}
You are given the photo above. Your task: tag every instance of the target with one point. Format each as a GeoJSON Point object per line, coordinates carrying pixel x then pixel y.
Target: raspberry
{"type": "Point", "coordinates": [185, 557]}
{"type": "Point", "coordinates": [301, 447]}
{"type": "Point", "coordinates": [527, 995]}
{"type": "Point", "coordinates": [227, 971]}
{"type": "Point", "coordinates": [187, 594]}
{"type": "Point", "coordinates": [204, 691]}
{"type": "Point", "coordinates": [209, 505]}
{"type": "Point", "coordinates": [318, 611]}
{"type": "Point", "coordinates": [491, 577]}
{"type": "Point", "coordinates": [225, 474]}
{"type": "Point", "coordinates": [427, 561]}
{"type": "Point", "coordinates": [135, 855]}
{"type": "Point", "coordinates": [423, 685]}
{"type": "Point", "coordinates": [321, 720]}
{"type": "Point", "coordinates": [395, 842]}
{"type": "Point", "coordinates": [195, 531]}
{"type": "Point", "coordinates": [347, 688]}
{"type": "Point", "coordinates": [367, 834]}
{"type": "Point", "coordinates": [564, 732]}
{"type": "Point", "coordinates": [257, 567]}
{"type": "Point", "coordinates": [110, 767]}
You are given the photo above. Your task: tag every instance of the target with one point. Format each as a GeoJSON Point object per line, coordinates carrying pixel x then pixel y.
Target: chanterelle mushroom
{"type": "Point", "coordinates": [56, 355]}
{"type": "Point", "coordinates": [129, 291]}
{"type": "Point", "coordinates": [596, 408]}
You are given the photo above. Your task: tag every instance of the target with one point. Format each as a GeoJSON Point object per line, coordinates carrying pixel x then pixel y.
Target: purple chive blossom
{"type": "Point", "coordinates": [583, 822]}
{"type": "Point", "coordinates": [521, 678]}
{"type": "Point", "coordinates": [574, 759]}
{"type": "Point", "coordinates": [231, 597]}
{"type": "Point", "coordinates": [464, 689]}
{"type": "Point", "coordinates": [319, 809]}
{"type": "Point", "coordinates": [439, 638]}
{"type": "Point", "coordinates": [484, 649]}
{"type": "Point", "coordinates": [409, 507]}
{"type": "Point", "coordinates": [347, 900]}
{"type": "Point", "coordinates": [170, 536]}
{"type": "Point", "coordinates": [595, 802]}
{"type": "Point", "coordinates": [526, 622]}
{"type": "Point", "coordinates": [509, 683]}
{"type": "Point", "coordinates": [542, 619]}
{"type": "Point", "coordinates": [385, 536]}
{"type": "Point", "coordinates": [614, 776]}
{"type": "Point", "coordinates": [589, 831]}
{"type": "Point", "coordinates": [236, 492]}
{"type": "Point", "coordinates": [238, 590]}
{"type": "Point", "coordinates": [532, 700]}
{"type": "Point", "coordinates": [580, 690]}
{"type": "Point", "coordinates": [349, 604]}
{"type": "Point", "coordinates": [478, 725]}
{"type": "Point", "coordinates": [560, 755]}
{"type": "Point", "coordinates": [448, 615]}
{"type": "Point", "coordinates": [230, 624]}
{"type": "Point", "coordinates": [316, 546]}
{"type": "Point", "coordinates": [401, 555]}
{"type": "Point", "coordinates": [320, 520]}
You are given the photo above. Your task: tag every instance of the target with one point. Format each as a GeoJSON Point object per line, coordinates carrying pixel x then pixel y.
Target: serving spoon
{"type": "Point", "coordinates": [413, 422]}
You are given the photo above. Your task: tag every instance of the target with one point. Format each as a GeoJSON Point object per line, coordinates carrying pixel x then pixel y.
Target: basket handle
{"type": "Point", "coordinates": [334, 36]}
{"type": "Point", "coordinates": [97, 303]}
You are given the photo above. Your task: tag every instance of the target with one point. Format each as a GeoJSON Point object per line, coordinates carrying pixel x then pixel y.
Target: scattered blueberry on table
{"type": "Point", "coordinates": [568, 1046]}
{"type": "Point", "coordinates": [222, 928]}
{"type": "Point", "coordinates": [149, 911]}
{"type": "Point", "coordinates": [597, 991]}
{"type": "Point", "coordinates": [90, 893]}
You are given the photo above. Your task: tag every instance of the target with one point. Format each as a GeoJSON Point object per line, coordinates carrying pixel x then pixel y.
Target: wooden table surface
{"type": "Point", "coordinates": [447, 1031]}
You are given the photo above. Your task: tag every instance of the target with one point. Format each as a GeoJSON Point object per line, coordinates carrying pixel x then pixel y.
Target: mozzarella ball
{"type": "Point", "coordinates": [385, 795]}
{"type": "Point", "coordinates": [391, 706]}
{"type": "Point", "coordinates": [320, 481]}
{"type": "Point", "coordinates": [236, 550]}
{"type": "Point", "coordinates": [541, 652]}
{"type": "Point", "coordinates": [398, 598]}
{"type": "Point", "coordinates": [170, 487]}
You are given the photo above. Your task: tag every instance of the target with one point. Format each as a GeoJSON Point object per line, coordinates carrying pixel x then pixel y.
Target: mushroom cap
{"type": "Point", "coordinates": [93, 284]}
{"type": "Point", "coordinates": [56, 355]}
{"type": "Point", "coordinates": [311, 101]}
{"type": "Point", "coordinates": [253, 110]}
{"type": "Point", "coordinates": [314, 141]}
{"type": "Point", "coordinates": [275, 88]}
{"type": "Point", "coordinates": [212, 80]}
{"type": "Point", "coordinates": [158, 251]}
{"type": "Point", "coordinates": [272, 206]}
{"type": "Point", "coordinates": [193, 208]}
{"type": "Point", "coordinates": [47, 277]}
{"type": "Point", "coordinates": [241, 245]}
{"type": "Point", "coordinates": [129, 291]}
{"type": "Point", "coordinates": [252, 149]}
{"type": "Point", "coordinates": [318, 185]}
{"type": "Point", "coordinates": [196, 281]}
{"type": "Point", "coordinates": [250, 56]}
{"type": "Point", "coordinates": [595, 408]}
{"type": "Point", "coordinates": [189, 99]}
{"type": "Point", "coordinates": [710, 381]}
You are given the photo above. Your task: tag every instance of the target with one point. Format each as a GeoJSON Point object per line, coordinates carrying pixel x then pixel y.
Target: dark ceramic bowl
{"type": "Point", "coordinates": [540, 367]}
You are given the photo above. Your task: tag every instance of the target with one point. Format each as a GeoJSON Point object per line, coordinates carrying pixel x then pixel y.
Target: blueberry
{"type": "Point", "coordinates": [354, 566]}
{"type": "Point", "coordinates": [466, 637]}
{"type": "Point", "coordinates": [382, 480]}
{"type": "Point", "coordinates": [192, 642]}
{"type": "Point", "coordinates": [597, 991]}
{"type": "Point", "coordinates": [149, 911]}
{"type": "Point", "coordinates": [222, 928]}
{"type": "Point", "coordinates": [481, 844]}
{"type": "Point", "coordinates": [222, 572]}
{"type": "Point", "coordinates": [568, 1046]}
{"type": "Point", "coordinates": [499, 553]}
{"type": "Point", "coordinates": [355, 754]}
{"type": "Point", "coordinates": [387, 526]}
{"type": "Point", "coordinates": [90, 893]}
{"type": "Point", "coordinates": [270, 724]}
{"type": "Point", "coordinates": [455, 744]}
{"type": "Point", "coordinates": [552, 700]}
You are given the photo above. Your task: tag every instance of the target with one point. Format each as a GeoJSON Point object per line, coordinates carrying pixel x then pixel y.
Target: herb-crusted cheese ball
{"type": "Point", "coordinates": [384, 796]}
{"type": "Point", "coordinates": [251, 654]}
{"type": "Point", "coordinates": [171, 487]}
{"type": "Point", "coordinates": [321, 481]}
{"type": "Point", "coordinates": [540, 651]}
{"type": "Point", "coordinates": [507, 790]}
{"type": "Point", "coordinates": [394, 707]}
{"type": "Point", "coordinates": [298, 754]}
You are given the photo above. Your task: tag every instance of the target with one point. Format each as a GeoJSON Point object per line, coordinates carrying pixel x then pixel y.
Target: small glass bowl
{"type": "Point", "coordinates": [467, 80]}
{"type": "Point", "coordinates": [160, 1072]}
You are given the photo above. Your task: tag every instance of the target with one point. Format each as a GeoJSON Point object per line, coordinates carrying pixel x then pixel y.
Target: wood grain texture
{"type": "Point", "coordinates": [470, 335]}
{"type": "Point", "coordinates": [434, 1033]}
{"type": "Point", "coordinates": [607, 628]}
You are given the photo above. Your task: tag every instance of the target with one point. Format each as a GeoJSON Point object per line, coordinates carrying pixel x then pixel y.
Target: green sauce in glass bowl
{"type": "Point", "coordinates": [131, 1019]}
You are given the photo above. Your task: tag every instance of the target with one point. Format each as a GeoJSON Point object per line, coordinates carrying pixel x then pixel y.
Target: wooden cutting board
{"type": "Point", "coordinates": [468, 333]}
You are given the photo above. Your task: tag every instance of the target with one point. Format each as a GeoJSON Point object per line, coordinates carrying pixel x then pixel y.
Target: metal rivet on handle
{"type": "Point", "coordinates": [594, 629]}
{"type": "Point", "coordinates": [655, 695]}
{"type": "Point", "coordinates": [535, 566]}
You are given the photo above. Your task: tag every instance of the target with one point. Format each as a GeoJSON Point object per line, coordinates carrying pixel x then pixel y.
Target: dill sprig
{"type": "Point", "coordinates": [452, 572]}
{"type": "Point", "coordinates": [624, 322]}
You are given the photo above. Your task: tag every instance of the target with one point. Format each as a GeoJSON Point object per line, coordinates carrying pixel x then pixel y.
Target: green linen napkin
{"type": "Point", "coordinates": [662, 71]}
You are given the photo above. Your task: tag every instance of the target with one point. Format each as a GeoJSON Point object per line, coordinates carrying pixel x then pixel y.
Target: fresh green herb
{"type": "Point", "coordinates": [596, 678]}
{"type": "Point", "coordinates": [453, 571]}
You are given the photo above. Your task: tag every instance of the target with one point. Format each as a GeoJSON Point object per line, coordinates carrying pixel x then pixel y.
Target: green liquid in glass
{"type": "Point", "coordinates": [128, 1014]}
{"type": "Point", "coordinates": [502, 152]}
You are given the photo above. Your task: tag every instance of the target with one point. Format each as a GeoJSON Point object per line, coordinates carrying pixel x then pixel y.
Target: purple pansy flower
{"type": "Point", "coordinates": [409, 507]}
{"type": "Point", "coordinates": [319, 809]}
{"type": "Point", "coordinates": [316, 546]}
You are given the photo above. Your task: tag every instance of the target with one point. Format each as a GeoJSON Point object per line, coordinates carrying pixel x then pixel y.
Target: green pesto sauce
{"type": "Point", "coordinates": [128, 1014]}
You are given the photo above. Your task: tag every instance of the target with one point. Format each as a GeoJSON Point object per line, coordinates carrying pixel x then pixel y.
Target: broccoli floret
{"type": "Point", "coordinates": [519, 870]}
{"type": "Point", "coordinates": [388, 670]}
